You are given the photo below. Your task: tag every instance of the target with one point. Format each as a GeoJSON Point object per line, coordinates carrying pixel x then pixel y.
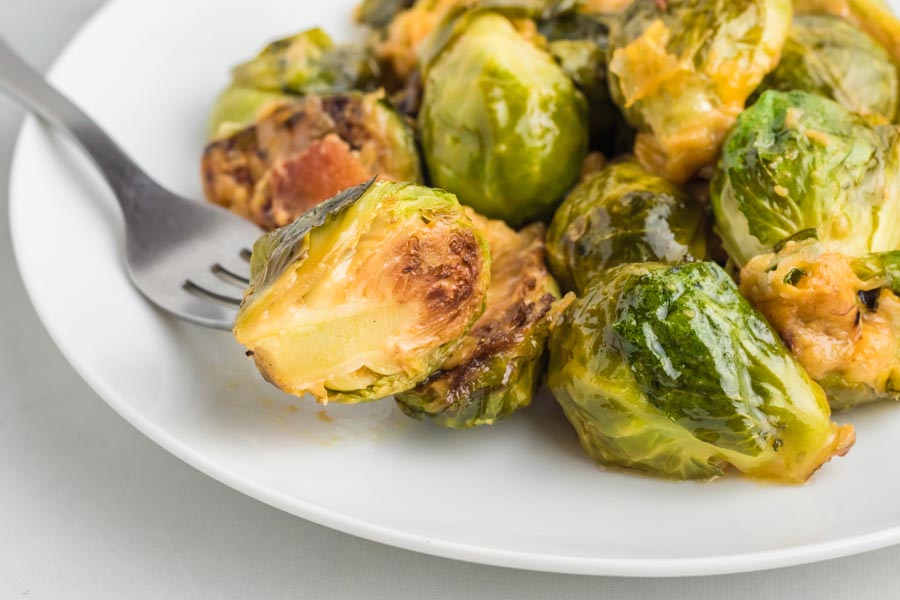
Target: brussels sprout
{"type": "Point", "coordinates": [669, 371]}
{"type": "Point", "coordinates": [681, 71]}
{"type": "Point", "coordinates": [379, 13]}
{"type": "Point", "coordinates": [874, 17]}
{"type": "Point", "coordinates": [366, 295]}
{"type": "Point", "coordinates": [828, 56]}
{"type": "Point", "coordinates": [502, 126]}
{"type": "Point", "coordinates": [309, 62]}
{"type": "Point", "coordinates": [580, 43]}
{"type": "Point", "coordinates": [299, 154]}
{"type": "Point", "coordinates": [408, 32]}
{"type": "Point", "coordinates": [498, 368]}
{"type": "Point", "coordinates": [837, 314]}
{"type": "Point", "coordinates": [237, 107]}
{"type": "Point", "coordinates": [623, 214]}
{"type": "Point", "coordinates": [798, 161]}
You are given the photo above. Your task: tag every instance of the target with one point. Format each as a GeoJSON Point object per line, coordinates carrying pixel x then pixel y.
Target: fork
{"type": "Point", "coordinates": [189, 258]}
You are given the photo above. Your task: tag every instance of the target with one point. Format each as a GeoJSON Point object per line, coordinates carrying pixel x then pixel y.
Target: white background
{"type": "Point", "coordinates": [89, 508]}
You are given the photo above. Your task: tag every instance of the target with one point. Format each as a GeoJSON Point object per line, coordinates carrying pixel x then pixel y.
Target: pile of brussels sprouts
{"type": "Point", "coordinates": [682, 215]}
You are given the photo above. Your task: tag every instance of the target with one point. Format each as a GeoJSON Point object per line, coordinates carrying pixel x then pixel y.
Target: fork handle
{"type": "Point", "coordinates": [34, 93]}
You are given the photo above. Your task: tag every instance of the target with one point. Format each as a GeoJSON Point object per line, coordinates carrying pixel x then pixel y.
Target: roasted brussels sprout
{"type": "Point", "coordinates": [498, 368]}
{"type": "Point", "coordinates": [797, 161]}
{"type": "Point", "coordinates": [408, 32]}
{"type": "Point", "coordinates": [379, 13]}
{"type": "Point", "coordinates": [828, 56]}
{"type": "Point", "coordinates": [874, 17]}
{"type": "Point", "coordinates": [837, 314]}
{"type": "Point", "coordinates": [366, 295]}
{"type": "Point", "coordinates": [669, 371]}
{"type": "Point", "coordinates": [580, 44]}
{"type": "Point", "coordinates": [301, 153]}
{"type": "Point", "coordinates": [681, 71]}
{"type": "Point", "coordinates": [502, 126]}
{"type": "Point", "coordinates": [309, 63]}
{"type": "Point", "coordinates": [237, 107]}
{"type": "Point", "coordinates": [623, 214]}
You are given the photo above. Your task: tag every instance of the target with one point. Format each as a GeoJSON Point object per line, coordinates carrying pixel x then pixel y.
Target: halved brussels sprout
{"type": "Point", "coordinates": [669, 371]}
{"type": "Point", "coordinates": [623, 214]}
{"type": "Point", "coordinates": [366, 295]}
{"type": "Point", "coordinates": [797, 161]}
{"type": "Point", "coordinates": [681, 71]}
{"type": "Point", "coordinates": [301, 153]}
{"type": "Point", "coordinates": [237, 107]}
{"type": "Point", "coordinates": [498, 368]}
{"type": "Point", "coordinates": [837, 314]}
{"type": "Point", "coordinates": [502, 125]}
{"type": "Point", "coordinates": [828, 56]}
{"type": "Point", "coordinates": [379, 13]}
{"type": "Point", "coordinates": [309, 63]}
{"type": "Point", "coordinates": [874, 17]}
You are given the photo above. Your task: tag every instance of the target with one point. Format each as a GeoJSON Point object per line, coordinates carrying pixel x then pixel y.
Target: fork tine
{"type": "Point", "coordinates": [235, 269]}
{"type": "Point", "coordinates": [213, 288]}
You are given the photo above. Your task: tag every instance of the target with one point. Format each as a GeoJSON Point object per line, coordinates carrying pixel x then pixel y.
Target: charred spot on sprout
{"type": "Point", "coordinates": [498, 367]}
{"type": "Point", "coordinates": [869, 298]}
{"type": "Point", "coordinates": [794, 276]}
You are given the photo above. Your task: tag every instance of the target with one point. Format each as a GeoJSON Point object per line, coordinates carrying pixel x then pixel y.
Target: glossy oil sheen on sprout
{"type": "Point", "coordinates": [669, 371]}
{"type": "Point", "coordinates": [623, 214]}
{"type": "Point", "coordinates": [503, 127]}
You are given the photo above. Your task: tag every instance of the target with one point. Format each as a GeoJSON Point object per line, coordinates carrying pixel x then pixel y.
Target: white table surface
{"type": "Point", "coordinates": [89, 508]}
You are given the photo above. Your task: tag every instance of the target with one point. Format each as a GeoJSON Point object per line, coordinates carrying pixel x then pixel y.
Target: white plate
{"type": "Point", "coordinates": [520, 494]}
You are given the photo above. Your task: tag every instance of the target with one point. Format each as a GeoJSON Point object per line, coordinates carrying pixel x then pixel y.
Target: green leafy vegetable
{"type": "Point", "coordinates": [623, 214]}
{"type": "Point", "coordinates": [669, 371]}
{"type": "Point", "coordinates": [366, 295]}
{"type": "Point", "coordinates": [502, 126]}
{"type": "Point", "coordinates": [797, 161]}
{"type": "Point", "coordinates": [681, 70]}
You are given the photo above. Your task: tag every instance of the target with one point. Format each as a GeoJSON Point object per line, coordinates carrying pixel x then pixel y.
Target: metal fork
{"type": "Point", "coordinates": [189, 258]}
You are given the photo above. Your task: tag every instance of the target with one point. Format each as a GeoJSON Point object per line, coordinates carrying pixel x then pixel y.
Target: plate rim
{"type": "Point", "coordinates": [581, 565]}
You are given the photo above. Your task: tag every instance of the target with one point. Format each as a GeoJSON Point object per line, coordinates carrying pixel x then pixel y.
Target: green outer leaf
{"type": "Point", "coordinates": [828, 56]}
{"type": "Point", "coordinates": [277, 250]}
{"type": "Point", "coordinates": [237, 107]}
{"type": "Point", "coordinates": [309, 63]}
{"type": "Point", "coordinates": [630, 356]}
{"type": "Point", "coordinates": [798, 161]}
{"type": "Point", "coordinates": [502, 126]}
{"type": "Point", "coordinates": [882, 267]}
{"type": "Point", "coordinates": [623, 214]}
{"type": "Point", "coordinates": [379, 13]}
